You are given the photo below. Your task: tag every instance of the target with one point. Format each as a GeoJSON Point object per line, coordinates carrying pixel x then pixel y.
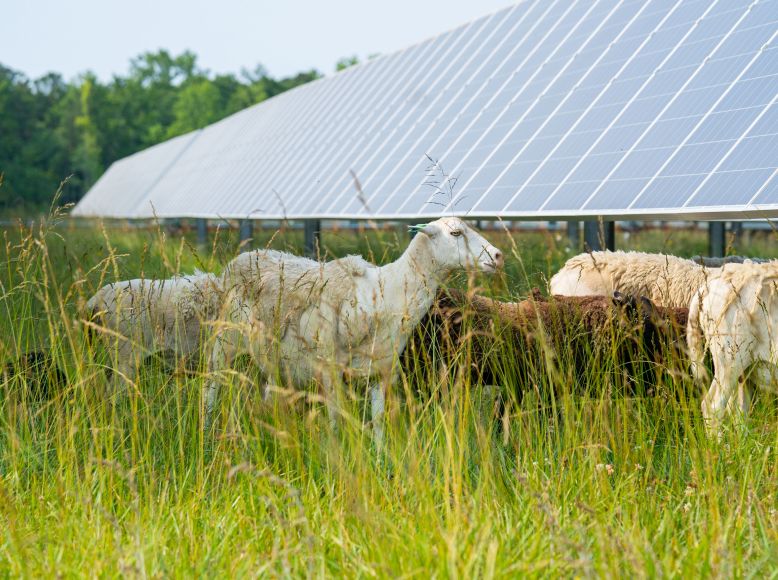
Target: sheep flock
{"type": "Point", "coordinates": [310, 321]}
{"type": "Point", "coordinates": [348, 321]}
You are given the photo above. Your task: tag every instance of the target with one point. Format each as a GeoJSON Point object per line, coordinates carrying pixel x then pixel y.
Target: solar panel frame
{"type": "Point", "coordinates": [368, 148]}
{"type": "Point", "coordinates": [125, 185]}
{"type": "Point", "coordinates": [550, 116]}
{"type": "Point", "coordinates": [690, 134]}
{"type": "Point", "coordinates": [476, 94]}
{"type": "Point", "coordinates": [614, 121]}
{"type": "Point", "coordinates": [486, 24]}
{"type": "Point", "coordinates": [375, 97]}
{"type": "Point", "coordinates": [543, 110]}
{"type": "Point", "coordinates": [538, 25]}
{"type": "Point", "coordinates": [368, 125]}
{"type": "Point", "coordinates": [375, 91]}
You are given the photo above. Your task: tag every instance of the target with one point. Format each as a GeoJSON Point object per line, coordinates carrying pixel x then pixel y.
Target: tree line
{"type": "Point", "coordinates": [51, 128]}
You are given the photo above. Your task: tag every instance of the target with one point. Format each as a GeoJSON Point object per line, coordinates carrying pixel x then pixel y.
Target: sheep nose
{"type": "Point", "coordinates": [498, 259]}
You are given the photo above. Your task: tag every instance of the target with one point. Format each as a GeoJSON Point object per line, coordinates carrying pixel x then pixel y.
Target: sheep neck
{"type": "Point", "coordinates": [412, 281]}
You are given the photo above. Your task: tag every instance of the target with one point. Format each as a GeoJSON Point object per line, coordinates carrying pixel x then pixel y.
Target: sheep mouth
{"type": "Point", "coordinates": [488, 267]}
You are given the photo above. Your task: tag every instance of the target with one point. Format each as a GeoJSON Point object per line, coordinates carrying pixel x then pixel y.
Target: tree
{"type": "Point", "coordinates": [346, 62]}
{"type": "Point", "coordinates": [87, 159]}
{"type": "Point", "coordinates": [26, 144]}
{"type": "Point", "coordinates": [197, 105]}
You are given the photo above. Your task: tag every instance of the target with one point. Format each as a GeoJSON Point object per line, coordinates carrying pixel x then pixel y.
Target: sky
{"type": "Point", "coordinates": [285, 36]}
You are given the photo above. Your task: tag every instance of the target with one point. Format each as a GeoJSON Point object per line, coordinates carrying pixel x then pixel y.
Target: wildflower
{"type": "Point", "coordinates": [689, 491]}
{"type": "Point", "coordinates": [599, 466]}
{"type": "Point", "coordinates": [686, 507]}
{"type": "Point", "coordinates": [609, 469]}
{"type": "Point", "coordinates": [638, 467]}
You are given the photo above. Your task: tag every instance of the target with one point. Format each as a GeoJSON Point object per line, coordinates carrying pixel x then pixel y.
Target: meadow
{"type": "Point", "coordinates": [579, 479]}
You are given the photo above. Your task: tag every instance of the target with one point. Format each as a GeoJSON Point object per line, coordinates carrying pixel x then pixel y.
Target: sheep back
{"type": "Point", "coordinates": [557, 341]}
{"type": "Point", "coordinates": [665, 280]}
{"type": "Point", "coordinates": [165, 314]}
{"type": "Point", "coordinates": [279, 287]}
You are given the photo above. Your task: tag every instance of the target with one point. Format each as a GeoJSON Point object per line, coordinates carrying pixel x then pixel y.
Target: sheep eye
{"type": "Point", "coordinates": [456, 233]}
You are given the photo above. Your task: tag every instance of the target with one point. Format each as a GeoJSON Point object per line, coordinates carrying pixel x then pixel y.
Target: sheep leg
{"type": "Point", "coordinates": [330, 395]}
{"type": "Point", "coordinates": [744, 398]}
{"type": "Point", "coordinates": [715, 402]}
{"type": "Point", "coordinates": [740, 404]}
{"type": "Point", "coordinates": [377, 406]}
{"type": "Point", "coordinates": [125, 367]}
{"type": "Point", "coordinates": [761, 374]}
{"type": "Point", "coordinates": [221, 357]}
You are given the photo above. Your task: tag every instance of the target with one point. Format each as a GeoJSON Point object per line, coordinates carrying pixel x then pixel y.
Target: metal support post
{"type": "Point", "coordinates": [574, 234]}
{"type": "Point", "coordinates": [202, 231]}
{"type": "Point", "coordinates": [737, 233]}
{"type": "Point", "coordinates": [599, 235]}
{"type": "Point", "coordinates": [312, 237]}
{"type": "Point", "coordinates": [246, 230]}
{"type": "Point", "coordinates": [717, 232]}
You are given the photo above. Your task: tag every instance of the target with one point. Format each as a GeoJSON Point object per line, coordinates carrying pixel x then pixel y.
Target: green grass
{"type": "Point", "coordinates": [575, 481]}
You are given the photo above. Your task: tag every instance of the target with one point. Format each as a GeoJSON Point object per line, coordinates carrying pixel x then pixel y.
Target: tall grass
{"type": "Point", "coordinates": [579, 477]}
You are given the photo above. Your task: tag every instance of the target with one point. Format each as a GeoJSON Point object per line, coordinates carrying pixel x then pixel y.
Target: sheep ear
{"type": "Point", "coordinates": [619, 299]}
{"type": "Point", "coordinates": [648, 309]}
{"type": "Point", "coordinates": [430, 230]}
{"type": "Point", "coordinates": [416, 228]}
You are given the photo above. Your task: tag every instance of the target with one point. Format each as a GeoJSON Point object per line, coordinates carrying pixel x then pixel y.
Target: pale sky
{"type": "Point", "coordinates": [72, 36]}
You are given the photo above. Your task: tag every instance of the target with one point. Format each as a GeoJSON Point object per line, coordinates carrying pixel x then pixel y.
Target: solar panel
{"type": "Point", "coordinates": [126, 184]}
{"type": "Point", "coordinates": [546, 109]}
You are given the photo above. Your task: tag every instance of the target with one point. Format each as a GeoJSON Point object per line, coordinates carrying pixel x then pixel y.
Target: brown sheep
{"type": "Point", "coordinates": [555, 343]}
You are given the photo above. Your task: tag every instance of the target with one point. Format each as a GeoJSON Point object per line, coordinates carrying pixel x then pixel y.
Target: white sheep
{"type": "Point", "coordinates": [719, 262]}
{"type": "Point", "coordinates": [663, 279]}
{"type": "Point", "coordinates": [344, 318]}
{"type": "Point", "coordinates": [140, 317]}
{"type": "Point", "coordinates": [735, 317]}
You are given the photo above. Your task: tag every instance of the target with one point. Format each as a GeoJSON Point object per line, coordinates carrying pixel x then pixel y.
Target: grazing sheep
{"type": "Point", "coordinates": [735, 318]}
{"type": "Point", "coordinates": [665, 280]}
{"type": "Point", "coordinates": [344, 318]}
{"type": "Point", "coordinates": [632, 335]}
{"type": "Point", "coordinates": [140, 317]}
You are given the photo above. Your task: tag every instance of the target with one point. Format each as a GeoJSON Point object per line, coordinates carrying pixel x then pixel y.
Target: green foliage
{"type": "Point", "coordinates": [197, 105]}
{"type": "Point", "coordinates": [587, 482]}
{"type": "Point", "coordinates": [51, 129]}
{"type": "Point", "coordinates": [346, 62]}
{"type": "Point", "coordinates": [87, 156]}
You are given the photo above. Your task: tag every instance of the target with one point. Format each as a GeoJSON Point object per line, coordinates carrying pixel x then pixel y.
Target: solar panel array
{"type": "Point", "coordinates": [124, 187]}
{"type": "Point", "coordinates": [550, 108]}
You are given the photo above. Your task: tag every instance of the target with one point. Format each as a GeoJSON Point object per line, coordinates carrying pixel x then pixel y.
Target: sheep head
{"type": "Point", "coordinates": [454, 245]}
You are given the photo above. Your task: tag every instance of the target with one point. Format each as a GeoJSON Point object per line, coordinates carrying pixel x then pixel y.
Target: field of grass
{"type": "Point", "coordinates": [578, 479]}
